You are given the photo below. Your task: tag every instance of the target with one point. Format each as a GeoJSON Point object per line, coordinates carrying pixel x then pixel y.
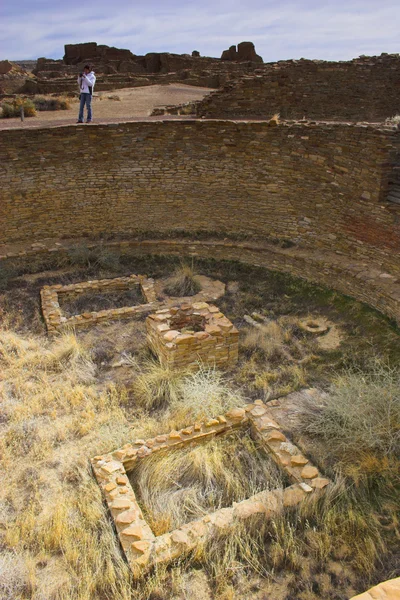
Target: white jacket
{"type": "Point", "coordinates": [85, 81]}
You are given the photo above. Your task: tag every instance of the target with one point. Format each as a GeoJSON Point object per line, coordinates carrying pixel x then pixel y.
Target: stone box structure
{"type": "Point", "coordinates": [56, 321]}
{"type": "Point", "coordinates": [142, 548]}
{"type": "Point", "coordinates": [189, 334]}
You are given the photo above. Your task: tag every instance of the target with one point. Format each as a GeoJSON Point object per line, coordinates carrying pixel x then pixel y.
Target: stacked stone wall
{"type": "Point", "coordinates": [322, 189]}
{"type": "Point", "coordinates": [364, 89]}
{"type": "Point", "coordinates": [317, 186]}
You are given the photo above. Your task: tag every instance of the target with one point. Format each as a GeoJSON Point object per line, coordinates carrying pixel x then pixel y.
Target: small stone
{"type": "Point", "coordinates": [275, 436]}
{"type": "Point", "coordinates": [319, 482]}
{"type": "Point", "coordinates": [258, 411]}
{"type": "Point", "coordinates": [212, 422]}
{"type": "Point", "coordinates": [122, 480]}
{"type": "Point", "coordinates": [267, 423]}
{"type": "Point", "coordinates": [289, 448]}
{"type": "Point", "coordinates": [188, 431]}
{"type": "Point", "coordinates": [298, 460]}
{"type": "Point", "coordinates": [126, 517]}
{"type": "Point", "coordinates": [110, 486]}
{"type": "Point", "coordinates": [292, 496]}
{"type": "Point", "coordinates": [170, 335]}
{"type": "Point", "coordinates": [180, 537]}
{"type": "Point", "coordinates": [143, 451]}
{"type": "Point", "coordinates": [121, 504]}
{"type": "Point", "coordinates": [309, 472]}
{"type": "Point", "coordinates": [305, 487]}
{"type": "Point", "coordinates": [175, 435]}
{"type": "Point", "coordinates": [134, 531]}
{"type": "Point", "coordinates": [111, 467]}
{"type": "Point", "coordinates": [236, 414]}
{"type": "Point", "coordinates": [161, 439]}
{"type": "Point", "coordinates": [141, 546]}
{"type": "Point", "coordinates": [212, 329]}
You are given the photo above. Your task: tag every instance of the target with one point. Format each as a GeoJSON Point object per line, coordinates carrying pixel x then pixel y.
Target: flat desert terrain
{"type": "Point", "coordinates": [126, 104]}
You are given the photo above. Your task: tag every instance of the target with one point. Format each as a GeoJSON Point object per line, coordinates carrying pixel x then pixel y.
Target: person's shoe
{"type": "Point", "coordinates": [88, 121]}
{"type": "Point", "coordinates": [79, 122]}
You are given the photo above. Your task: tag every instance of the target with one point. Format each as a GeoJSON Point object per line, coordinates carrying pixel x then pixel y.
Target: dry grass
{"type": "Point", "coordinates": [53, 419]}
{"type": "Point", "coordinates": [361, 415]}
{"type": "Point", "coordinates": [56, 539]}
{"type": "Point", "coordinates": [276, 356]}
{"type": "Point", "coordinates": [187, 484]}
{"type": "Point", "coordinates": [184, 396]}
{"type": "Point", "coordinates": [184, 282]}
{"type": "Point", "coordinates": [51, 103]}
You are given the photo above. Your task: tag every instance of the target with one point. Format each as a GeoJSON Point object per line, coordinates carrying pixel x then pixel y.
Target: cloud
{"type": "Point", "coordinates": [310, 29]}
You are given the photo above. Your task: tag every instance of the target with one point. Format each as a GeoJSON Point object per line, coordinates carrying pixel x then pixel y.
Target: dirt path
{"type": "Point", "coordinates": [130, 104]}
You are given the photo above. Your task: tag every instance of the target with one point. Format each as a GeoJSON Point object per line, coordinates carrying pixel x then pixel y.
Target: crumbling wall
{"type": "Point", "coordinates": [364, 89]}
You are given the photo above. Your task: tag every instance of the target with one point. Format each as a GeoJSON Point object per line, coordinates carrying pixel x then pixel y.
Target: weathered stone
{"type": "Point", "coordinates": [319, 482]}
{"type": "Point", "coordinates": [309, 472]}
{"type": "Point", "coordinates": [298, 460]}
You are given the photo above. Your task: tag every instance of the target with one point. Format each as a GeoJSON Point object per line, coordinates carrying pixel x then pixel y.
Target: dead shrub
{"type": "Point", "coordinates": [43, 103]}
{"type": "Point", "coordinates": [184, 282]}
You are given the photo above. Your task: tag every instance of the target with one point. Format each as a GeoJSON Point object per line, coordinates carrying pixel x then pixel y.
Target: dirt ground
{"type": "Point", "coordinates": [129, 104]}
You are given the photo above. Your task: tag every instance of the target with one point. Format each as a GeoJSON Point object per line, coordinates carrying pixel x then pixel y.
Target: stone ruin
{"type": "Point", "coordinates": [117, 68]}
{"type": "Point", "coordinates": [244, 51]}
{"type": "Point", "coordinates": [56, 321]}
{"type": "Point", "coordinates": [142, 548]}
{"type": "Point", "coordinates": [186, 335]}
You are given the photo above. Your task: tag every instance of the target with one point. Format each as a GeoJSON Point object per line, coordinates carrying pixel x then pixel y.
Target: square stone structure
{"type": "Point", "coordinates": [191, 334]}
{"type": "Point", "coordinates": [56, 321]}
{"type": "Point", "coordinates": [142, 548]}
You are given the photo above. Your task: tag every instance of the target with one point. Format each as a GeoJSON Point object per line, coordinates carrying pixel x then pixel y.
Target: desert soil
{"type": "Point", "coordinates": [133, 104]}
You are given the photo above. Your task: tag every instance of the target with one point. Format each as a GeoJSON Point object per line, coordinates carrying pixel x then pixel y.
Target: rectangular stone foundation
{"type": "Point", "coordinates": [191, 334]}
{"type": "Point", "coordinates": [142, 548]}
{"type": "Point", "coordinates": [56, 321]}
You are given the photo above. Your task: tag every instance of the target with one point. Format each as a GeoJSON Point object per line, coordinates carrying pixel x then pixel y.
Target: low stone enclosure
{"type": "Point", "coordinates": [142, 548]}
{"type": "Point", "coordinates": [182, 336]}
{"type": "Point", "coordinates": [55, 319]}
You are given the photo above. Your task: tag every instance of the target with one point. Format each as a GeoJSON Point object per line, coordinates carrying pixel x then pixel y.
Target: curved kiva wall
{"type": "Point", "coordinates": [321, 187]}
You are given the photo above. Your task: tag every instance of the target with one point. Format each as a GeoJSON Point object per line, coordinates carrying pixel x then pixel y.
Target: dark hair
{"type": "Point", "coordinates": [88, 67]}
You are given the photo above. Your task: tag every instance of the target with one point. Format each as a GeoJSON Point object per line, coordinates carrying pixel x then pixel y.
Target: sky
{"type": "Point", "coordinates": [336, 30]}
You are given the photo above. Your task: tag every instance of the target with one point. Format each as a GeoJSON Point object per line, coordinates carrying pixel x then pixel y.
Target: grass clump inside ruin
{"type": "Point", "coordinates": [186, 484]}
{"type": "Point", "coordinates": [184, 282]}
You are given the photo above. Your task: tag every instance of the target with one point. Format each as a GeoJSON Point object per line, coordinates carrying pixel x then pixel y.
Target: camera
{"type": "Point", "coordinates": [80, 74]}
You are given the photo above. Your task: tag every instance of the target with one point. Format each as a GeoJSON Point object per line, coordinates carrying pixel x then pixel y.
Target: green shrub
{"type": "Point", "coordinates": [49, 103]}
{"type": "Point", "coordinates": [13, 109]}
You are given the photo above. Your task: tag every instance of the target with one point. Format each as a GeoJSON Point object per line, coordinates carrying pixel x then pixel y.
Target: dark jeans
{"type": "Point", "coordinates": [85, 99]}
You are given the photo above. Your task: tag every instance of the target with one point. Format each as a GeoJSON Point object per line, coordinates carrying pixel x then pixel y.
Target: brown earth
{"type": "Point", "coordinates": [129, 104]}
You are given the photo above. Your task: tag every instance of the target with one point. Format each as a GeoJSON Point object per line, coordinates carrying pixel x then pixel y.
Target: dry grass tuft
{"type": "Point", "coordinates": [184, 282]}
{"type": "Point", "coordinates": [361, 414]}
{"type": "Point", "coordinates": [156, 386]}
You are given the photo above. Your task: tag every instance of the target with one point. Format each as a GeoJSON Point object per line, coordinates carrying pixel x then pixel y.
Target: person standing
{"type": "Point", "coordinates": [86, 81]}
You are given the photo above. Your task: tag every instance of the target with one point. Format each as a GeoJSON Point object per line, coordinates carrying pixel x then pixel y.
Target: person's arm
{"type": "Point", "coordinates": [90, 79]}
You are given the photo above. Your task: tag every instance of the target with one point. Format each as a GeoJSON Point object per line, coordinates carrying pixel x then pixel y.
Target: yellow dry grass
{"type": "Point", "coordinates": [187, 484]}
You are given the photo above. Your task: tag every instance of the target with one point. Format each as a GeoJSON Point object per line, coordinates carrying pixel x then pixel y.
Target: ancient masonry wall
{"type": "Point", "coordinates": [141, 547]}
{"type": "Point", "coordinates": [188, 334]}
{"type": "Point", "coordinates": [363, 89]}
{"type": "Point", "coordinates": [323, 188]}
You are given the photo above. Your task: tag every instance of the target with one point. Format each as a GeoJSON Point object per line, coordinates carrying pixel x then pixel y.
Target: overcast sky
{"type": "Point", "coordinates": [335, 30]}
